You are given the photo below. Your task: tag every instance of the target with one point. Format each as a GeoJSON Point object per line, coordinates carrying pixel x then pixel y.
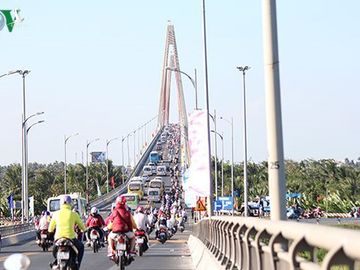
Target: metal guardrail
{"type": "Point", "coordinates": [252, 243]}
{"type": "Point", "coordinates": [108, 198]}
{"type": "Point", "coordinates": [14, 229]}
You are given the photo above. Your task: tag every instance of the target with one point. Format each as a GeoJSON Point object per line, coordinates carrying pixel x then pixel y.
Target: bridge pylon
{"type": "Point", "coordinates": [170, 63]}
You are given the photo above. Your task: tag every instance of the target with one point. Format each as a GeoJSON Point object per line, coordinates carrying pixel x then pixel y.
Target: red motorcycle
{"type": "Point", "coordinates": [45, 242]}
{"type": "Point", "coordinates": [141, 242]}
{"type": "Point", "coordinates": [122, 255]}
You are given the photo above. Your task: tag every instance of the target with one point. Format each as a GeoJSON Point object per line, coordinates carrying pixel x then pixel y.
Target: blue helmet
{"type": "Point", "coordinates": [65, 199]}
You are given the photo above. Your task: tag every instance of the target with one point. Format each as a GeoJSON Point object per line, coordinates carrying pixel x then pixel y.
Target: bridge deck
{"type": "Point", "coordinates": [173, 255]}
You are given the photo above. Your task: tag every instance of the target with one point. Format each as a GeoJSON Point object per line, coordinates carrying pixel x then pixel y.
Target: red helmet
{"type": "Point", "coordinates": [140, 209]}
{"type": "Point", "coordinates": [121, 200]}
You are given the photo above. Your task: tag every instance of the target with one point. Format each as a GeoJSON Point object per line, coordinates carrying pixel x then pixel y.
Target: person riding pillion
{"type": "Point", "coordinates": [43, 224]}
{"type": "Point", "coordinates": [64, 222]}
{"type": "Point", "coordinates": [121, 222]}
{"type": "Point", "coordinates": [142, 221]}
{"type": "Point", "coordinates": [96, 222]}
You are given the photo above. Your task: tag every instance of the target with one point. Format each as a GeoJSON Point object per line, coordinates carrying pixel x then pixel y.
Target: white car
{"type": "Point", "coordinates": [152, 165]}
{"type": "Point", "coordinates": [147, 171]}
{"type": "Point", "coordinates": [161, 170]}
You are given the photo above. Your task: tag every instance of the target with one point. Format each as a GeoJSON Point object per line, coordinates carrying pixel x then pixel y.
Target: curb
{"type": "Point", "coordinates": [16, 238]}
{"type": "Point", "coordinates": [203, 259]}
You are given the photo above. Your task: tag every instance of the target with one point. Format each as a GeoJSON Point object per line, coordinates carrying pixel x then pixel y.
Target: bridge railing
{"type": "Point", "coordinates": [108, 198]}
{"type": "Point", "coordinates": [14, 229]}
{"type": "Point", "coordinates": [252, 243]}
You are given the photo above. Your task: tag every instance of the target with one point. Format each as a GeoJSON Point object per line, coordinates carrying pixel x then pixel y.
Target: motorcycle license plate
{"type": "Point", "coordinates": [93, 237]}
{"type": "Point", "coordinates": [43, 236]}
{"type": "Point", "coordinates": [140, 240]}
{"type": "Point", "coordinates": [61, 255]}
{"type": "Point", "coordinates": [120, 246]}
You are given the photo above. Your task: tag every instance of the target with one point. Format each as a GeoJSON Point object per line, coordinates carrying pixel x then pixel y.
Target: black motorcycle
{"type": "Point", "coordinates": [45, 242]}
{"type": "Point", "coordinates": [163, 234]}
{"type": "Point", "coordinates": [66, 254]}
{"type": "Point", "coordinates": [95, 240]}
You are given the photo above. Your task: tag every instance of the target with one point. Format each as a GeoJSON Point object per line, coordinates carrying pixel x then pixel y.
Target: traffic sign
{"type": "Point", "coordinates": [200, 204]}
{"type": "Point", "coordinates": [218, 205]}
{"type": "Point", "coordinates": [227, 202]}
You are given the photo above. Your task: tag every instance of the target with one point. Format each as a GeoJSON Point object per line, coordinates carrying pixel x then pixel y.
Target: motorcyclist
{"type": "Point", "coordinates": [183, 214]}
{"type": "Point", "coordinates": [122, 222]}
{"type": "Point", "coordinates": [142, 222]}
{"type": "Point", "coordinates": [64, 222]}
{"type": "Point", "coordinates": [161, 222]}
{"type": "Point", "coordinates": [43, 224]}
{"type": "Point", "coordinates": [96, 222]}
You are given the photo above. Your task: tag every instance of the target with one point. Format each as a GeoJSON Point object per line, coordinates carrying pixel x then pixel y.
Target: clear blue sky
{"type": "Point", "coordinates": [96, 66]}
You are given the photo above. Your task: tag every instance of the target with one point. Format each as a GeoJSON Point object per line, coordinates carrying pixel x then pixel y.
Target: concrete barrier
{"type": "Point", "coordinates": [17, 238]}
{"type": "Point", "coordinates": [202, 258]}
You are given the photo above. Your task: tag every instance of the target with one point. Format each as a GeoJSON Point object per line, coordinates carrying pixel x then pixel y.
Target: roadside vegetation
{"type": "Point", "coordinates": [325, 183]}
{"type": "Point", "coordinates": [48, 180]}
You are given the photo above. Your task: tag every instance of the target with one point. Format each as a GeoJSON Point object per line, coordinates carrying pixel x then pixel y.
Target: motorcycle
{"type": "Point", "coordinates": [106, 233]}
{"type": "Point", "coordinates": [182, 225]}
{"type": "Point", "coordinates": [122, 256]}
{"type": "Point", "coordinates": [140, 244]}
{"type": "Point", "coordinates": [163, 234]}
{"type": "Point", "coordinates": [152, 220]}
{"type": "Point", "coordinates": [66, 255]}
{"type": "Point", "coordinates": [95, 240]}
{"type": "Point", "coordinates": [45, 242]}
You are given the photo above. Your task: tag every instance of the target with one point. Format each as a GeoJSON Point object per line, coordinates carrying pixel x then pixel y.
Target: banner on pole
{"type": "Point", "coordinates": [199, 170]}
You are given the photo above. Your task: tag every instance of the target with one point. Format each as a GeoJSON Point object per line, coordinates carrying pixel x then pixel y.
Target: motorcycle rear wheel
{"type": "Point", "coordinates": [122, 262]}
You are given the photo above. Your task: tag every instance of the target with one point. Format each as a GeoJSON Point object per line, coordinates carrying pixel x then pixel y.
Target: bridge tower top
{"type": "Point", "coordinates": [170, 64]}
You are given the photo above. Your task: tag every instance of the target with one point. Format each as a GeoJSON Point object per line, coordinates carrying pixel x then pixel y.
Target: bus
{"type": "Point", "coordinates": [136, 187]}
{"type": "Point", "coordinates": [156, 188]}
{"type": "Point", "coordinates": [132, 200]}
{"type": "Point", "coordinates": [78, 204]}
{"type": "Point", "coordinates": [154, 157]}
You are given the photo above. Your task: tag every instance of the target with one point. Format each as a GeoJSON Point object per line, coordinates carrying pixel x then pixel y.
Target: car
{"type": "Point", "coordinates": [147, 171]}
{"type": "Point", "coordinates": [152, 165]}
{"type": "Point", "coordinates": [161, 170]}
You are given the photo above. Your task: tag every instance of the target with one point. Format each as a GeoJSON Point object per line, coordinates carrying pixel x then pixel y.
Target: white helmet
{"type": "Point", "coordinates": [94, 210]}
{"type": "Point", "coordinates": [113, 205]}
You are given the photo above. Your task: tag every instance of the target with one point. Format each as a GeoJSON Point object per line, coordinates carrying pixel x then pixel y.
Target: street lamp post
{"type": "Point", "coordinates": [65, 165]}
{"type": "Point", "coordinates": [193, 81]}
{"type": "Point", "coordinates": [243, 70]}
{"type": "Point", "coordinates": [222, 162]}
{"type": "Point", "coordinates": [87, 167]}
{"type": "Point", "coordinates": [107, 162]}
{"type": "Point", "coordinates": [128, 148]}
{"type": "Point", "coordinates": [122, 151]}
{"type": "Point", "coordinates": [276, 168]}
{"type": "Point", "coordinates": [215, 148]}
{"type": "Point", "coordinates": [134, 147]}
{"type": "Point", "coordinates": [231, 122]}
{"type": "Point", "coordinates": [26, 186]}
{"type": "Point", "coordinates": [210, 200]}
